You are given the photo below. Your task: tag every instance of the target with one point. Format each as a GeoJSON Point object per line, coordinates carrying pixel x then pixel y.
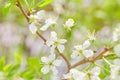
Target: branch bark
{"type": "Point", "coordinates": [42, 37]}
{"type": "Point", "coordinates": [99, 56]}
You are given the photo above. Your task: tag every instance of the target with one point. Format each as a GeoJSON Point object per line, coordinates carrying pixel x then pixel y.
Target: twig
{"type": "Point", "coordinates": [42, 37]}
{"type": "Point", "coordinates": [99, 56]}
{"type": "Point", "coordinates": [23, 12]}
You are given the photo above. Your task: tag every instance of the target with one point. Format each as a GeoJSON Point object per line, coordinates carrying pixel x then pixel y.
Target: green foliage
{"type": "Point", "coordinates": [7, 6]}
{"type": "Point", "coordinates": [34, 63]}
{"type": "Point", "coordinates": [2, 63]}
{"type": "Point", "coordinates": [13, 70]}
{"type": "Point", "coordinates": [106, 71]}
{"type": "Point", "coordinates": [44, 3]}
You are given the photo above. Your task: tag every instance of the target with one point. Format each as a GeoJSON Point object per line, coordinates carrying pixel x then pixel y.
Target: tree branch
{"type": "Point", "coordinates": [99, 56]}
{"type": "Point", "coordinates": [23, 12]}
{"type": "Point", "coordinates": [42, 37]}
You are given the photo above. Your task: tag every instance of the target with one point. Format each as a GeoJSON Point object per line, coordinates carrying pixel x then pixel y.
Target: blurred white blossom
{"type": "Point", "coordinates": [54, 42]}
{"type": "Point", "coordinates": [91, 36]}
{"type": "Point", "coordinates": [116, 33]}
{"type": "Point", "coordinates": [82, 50]}
{"type": "Point", "coordinates": [69, 23]}
{"type": "Point", "coordinates": [50, 64]}
{"type": "Point", "coordinates": [95, 73]}
{"type": "Point", "coordinates": [33, 28]}
{"type": "Point", "coordinates": [74, 74]}
{"type": "Point", "coordinates": [117, 49]}
{"type": "Point", "coordinates": [48, 23]}
{"type": "Point", "coordinates": [115, 70]}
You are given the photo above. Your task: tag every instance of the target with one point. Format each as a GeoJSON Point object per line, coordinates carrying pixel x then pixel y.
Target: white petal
{"type": "Point", "coordinates": [96, 71]}
{"type": "Point", "coordinates": [88, 53]}
{"type": "Point", "coordinates": [78, 47]}
{"type": "Point", "coordinates": [57, 62]}
{"type": "Point", "coordinates": [117, 49]}
{"type": "Point", "coordinates": [63, 41]}
{"type": "Point", "coordinates": [74, 54]}
{"type": "Point", "coordinates": [67, 76]}
{"type": "Point", "coordinates": [95, 78]}
{"type": "Point", "coordinates": [45, 69]}
{"type": "Point", "coordinates": [52, 49]}
{"type": "Point", "coordinates": [33, 28]}
{"type": "Point", "coordinates": [50, 21]}
{"type": "Point", "coordinates": [41, 14]}
{"type": "Point", "coordinates": [115, 37]}
{"type": "Point", "coordinates": [51, 57]}
{"type": "Point", "coordinates": [69, 23]}
{"type": "Point", "coordinates": [45, 60]}
{"type": "Point", "coordinates": [53, 35]}
{"type": "Point", "coordinates": [61, 48]}
{"type": "Point", "coordinates": [45, 27]}
{"type": "Point", "coordinates": [86, 44]}
{"type": "Point", "coordinates": [54, 70]}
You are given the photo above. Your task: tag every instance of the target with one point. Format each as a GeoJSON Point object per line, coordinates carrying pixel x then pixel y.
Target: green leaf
{"type": "Point", "coordinates": [32, 5]}
{"type": "Point", "coordinates": [17, 58]}
{"type": "Point", "coordinates": [44, 3]}
{"type": "Point", "coordinates": [28, 74]}
{"type": "Point", "coordinates": [13, 70]}
{"type": "Point", "coordinates": [105, 72]}
{"type": "Point", "coordinates": [7, 68]}
{"type": "Point", "coordinates": [2, 63]}
{"type": "Point", "coordinates": [34, 63]}
{"type": "Point", "coordinates": [7, 6]}
{"type": "Point", "coordinates": [26, 2]}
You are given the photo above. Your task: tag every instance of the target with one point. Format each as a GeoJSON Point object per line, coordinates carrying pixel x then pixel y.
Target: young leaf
{"type": "Point", "coordinates": [6, 7]}
{"type": "Point", "coordinates": [44, 3]}
{"type": "Point", "coordinates": [13, 70]}
{"type": "Point", "coordinates": [2, 63]}
{"type": "Point", "coordinates": [34, 63]}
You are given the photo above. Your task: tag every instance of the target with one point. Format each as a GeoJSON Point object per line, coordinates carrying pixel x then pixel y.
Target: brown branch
{"type": "Point", "coordinates": [39, 34]}
{"type": "Point", "coordinates": [99, 56]}
{"type": "Point", "coordinates": [23, 12]}
{"type": "Point", "coordinates": [42, 37]}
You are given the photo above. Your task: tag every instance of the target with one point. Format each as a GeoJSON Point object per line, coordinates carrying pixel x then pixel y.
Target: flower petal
{"type": "Point", "coordinates": [51, 57]}
{"type": "Point", "coordinates": [33, 28]}
{"type": "Point", "coordinates": [45, 27]}
{"type": "Point", "coordinates": [63, 41]}
{"type": "Point", "coordinates": [61, 48]}
{"type": "Point", "coordinates": [96, 71]}
{"type": "Point", "coordinates": [86, 44]}
{"type": "Point", "coordinates": [52, 49]}
{"type": "Point", "coordinates": [88, 53]}
{"type": "Point", "coordinates": [53, 35]}
{"type": "Point", "coordinates": [54, 70]}
{"type": "Point", "coordinates": [74, 54]}
{"type": "Point", "coordinates": [57, 62]}
{"type": "Point", "coordinates": [45, 60]}
{"type": "Point", "coordinates": [45, 69]}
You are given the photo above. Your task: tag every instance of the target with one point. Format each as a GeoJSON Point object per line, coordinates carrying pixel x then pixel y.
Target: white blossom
{"type": "Point", "coordinates": [117, 49]}
{"type": "Point", "coordinates": [69, 23]}
{"type": "Point", "coordinates": [48, 23]}
{"type": "Point", "coordinates": [33, 28]}
{"type": "Point", "coordinates": [95, 73]}
{"type": "Point", "coordinates": [82, 50]}
{"type": "Point", "coordinates": [54, 42]}
{"type": "Point", "coordinates": [74, 74]}
{"type": "Point", "coordinates": [115, 70]}
{"type": "Point", "coordinates": [116, 33]}
{"type": "Point", "coordinates": [50, 64]}
{"type": "Point", "coordinates": [91, 36]}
